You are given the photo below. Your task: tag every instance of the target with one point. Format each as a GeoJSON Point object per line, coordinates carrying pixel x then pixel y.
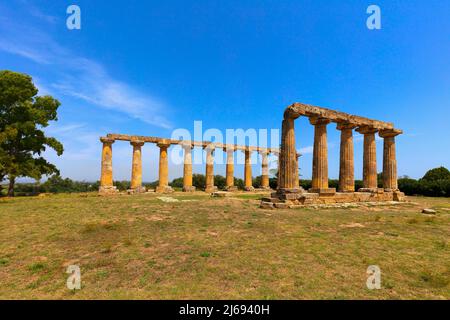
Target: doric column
{"type": "Point", "coordinates": [265, 169]}
{"type": "Point", "coordinates": [187, 172]}
{"type": "Point", "coordinates": [106, 178]}
{"type": "Point", "coordinates": [320, 157]}
{"type": "Point", "coordinates": [346, 165]}
{"type": "Point", "coordinates": [229, 184]}
{"type": "Point", "coordinates": [136, 170]}
{"type": "Point", "coordinates": [163, 186]}
{"type": "Point", "coordinates": [370, 183]}
{"type": "Point", "coordinates": [288, 180]}
{"type": "Point", "coordinates": [209, 185]}
{"type": "Point", "coordinates": [248, 171]}
{"type": "Point", "coordinates": [389, 160]}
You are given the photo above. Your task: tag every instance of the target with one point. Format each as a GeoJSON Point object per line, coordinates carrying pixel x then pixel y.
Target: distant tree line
{"type": "Point", "coordinates": [435, 183]}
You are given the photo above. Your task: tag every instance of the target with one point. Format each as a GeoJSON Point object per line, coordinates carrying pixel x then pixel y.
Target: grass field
{"type": "Point", "coordinates": [139, 247]}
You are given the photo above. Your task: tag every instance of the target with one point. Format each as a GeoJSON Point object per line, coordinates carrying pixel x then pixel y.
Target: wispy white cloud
{"type": "Point", "coordinates": [307, 150]}
{"type": "Point", "coordinates": [78, 76]}
{"type": "Point", "coordinates": [38, 13]}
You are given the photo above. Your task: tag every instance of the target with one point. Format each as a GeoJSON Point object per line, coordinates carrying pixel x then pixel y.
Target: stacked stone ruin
{"type": "Point", "coordinates": [289, 192]}
{"type": "Point", "coordinates": [106, 180]}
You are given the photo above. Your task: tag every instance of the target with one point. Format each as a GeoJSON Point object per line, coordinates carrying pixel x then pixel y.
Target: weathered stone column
{"type": "Point", "coordinates": [229, 186]}
{"type": "Point", "coordinates": [288, 180]}
{"type": "Point", "coordinates": [248, 171]}
{"type": "Point", "coordinates": [265, 169]}
{"type": "Point", "coordinates": [187, 172]}
{"type": "Point", "coordinates": [389, 160]}
{"type": "Point", "coordinates": [320, 157]}
{"type": "Point", "coordinates": [346, 165]}
{"type": "Point", "coordinates": [209, 185]}
{"type": "Point", "coordinates": [136, 170]}
{"type": "Point", "coordinates": [106, 178]}
{"type": "Point", "coordinates": [163, 186]}
{"type": "Point", "coordinates": [370, 183]}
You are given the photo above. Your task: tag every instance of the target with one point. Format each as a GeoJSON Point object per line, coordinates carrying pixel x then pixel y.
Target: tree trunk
{"type": "Point", "coordinates": [12, 181]}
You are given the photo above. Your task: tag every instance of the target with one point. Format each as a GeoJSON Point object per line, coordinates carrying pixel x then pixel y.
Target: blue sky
{"type": "Point", "coordinates": [149, 67]}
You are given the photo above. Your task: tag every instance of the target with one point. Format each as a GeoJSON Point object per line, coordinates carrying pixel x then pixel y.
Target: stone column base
{"type": "Point", "coordinates": [108, 190]}
{"type": "Point", "coordinates": [231, 189]}
{"type": "Point", "coordinates": [189, 189]}
{"type": "Point", "coordinates": [295, 190]}
{"type": "Point", "coordinates": [371, 190]}
{"type": "Point", "coordinates": [249, 189]}
{"type": "Point", "coordinates": [164, 189]}
{"type": "Point", "coordinates": [327, 191]}
{"type": "Point", "coordinates": [264, 188]}
{"type": "Point", "coordinates": [346, 191]}
{"type": "Point", "coordinates": [137, 190]}
{"type": "Point", "coordinates": [211, 189]}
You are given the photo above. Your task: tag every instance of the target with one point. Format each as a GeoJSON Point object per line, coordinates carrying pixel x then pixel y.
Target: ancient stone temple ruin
{"type": "Point", "coordinates": [137, 142]}
{"type": "Point", "coordinates": [289, 192]}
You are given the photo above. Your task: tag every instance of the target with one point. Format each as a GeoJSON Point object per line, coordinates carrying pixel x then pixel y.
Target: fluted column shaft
{"type": "Point", "coordinates": [265, 170]}
{"type": "Point", "coordinates": [106, 178]}
{"type": "Point", "coordinates": [209, 184]}
{"type": "Point", "coordinates": [369, 158]}
{"type": "Point", "coordinates": [288, 163]}
{"type": "Point", "coordinates": [320, 155]}
{"type": "Point", "coordinates": [163, 168]}
{"type": "Point", "coordinates": [390, 182]}
{"type": "Point", "coordinates": [187, 169]}
{"type": "Point", "coordinates": [248, 171]}
{"type": "Point", "coordinates": [230, 169]}
{"type": "Point", "coordinates": [346, 165]}
{"type": "Point", "coordinates": [136, 169]}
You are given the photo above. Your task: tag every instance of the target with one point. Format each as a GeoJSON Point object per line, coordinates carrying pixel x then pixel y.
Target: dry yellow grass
{"type": "Point", "coordinates": [139, 247]}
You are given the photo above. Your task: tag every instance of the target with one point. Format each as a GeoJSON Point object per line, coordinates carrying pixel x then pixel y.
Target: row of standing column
{"type": "Point", "coordinates": [288, 171]}
{"type": "Point", "coordinates": [106, 180]}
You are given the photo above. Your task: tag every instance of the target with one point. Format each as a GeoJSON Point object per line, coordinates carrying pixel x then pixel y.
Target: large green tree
{"type": "Point", "coordinates": [23, 115]}
{"type": "Point", "coordinates": [436, 174]}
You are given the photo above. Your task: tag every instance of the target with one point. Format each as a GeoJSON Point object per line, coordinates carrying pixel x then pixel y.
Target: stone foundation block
{"type": "Point", "coordinates": [398, 196]}
{"type": "Point", "coordinates": [323, 192]}
{"type": "Point", "coordinates": [165, 189]}
{"type": "Point", "coordinates": [266, 205]}
{"type": "Point", "coordinates": [231, 189]}
{"type": "Point", "coordinates": [282, 205]}
{"type": "Point", "coordinates": [108, 190]}
{"type": "Point", "coordinates": [189, 189]}
{"type": "Point", "coordinates": [137, 190]}
{"type": "Point", "coordinates": [211, 189]}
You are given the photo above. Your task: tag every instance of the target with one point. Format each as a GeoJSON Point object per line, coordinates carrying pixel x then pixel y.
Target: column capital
{"type": "Point", "coordinates": [209, 147]}
{"type": "Point", "coordinates": [366, 130]}
{"type": "Point", "coordinates": [319, 121]}
{"type": "Point", "coordinates": [137, 143]}
{"type": "Point", "coordinates": [163, 143]}
{"type": "Point", "coordinates": [390, 133]}
{"type": "Point", "coordinates": [187, 145]}
{"type": "Point", "coordinates": [107, 140]}
{"type": "Point", "coordinates": [346, 126]}
{"type": "Point", "coordinates": [229, 148]}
